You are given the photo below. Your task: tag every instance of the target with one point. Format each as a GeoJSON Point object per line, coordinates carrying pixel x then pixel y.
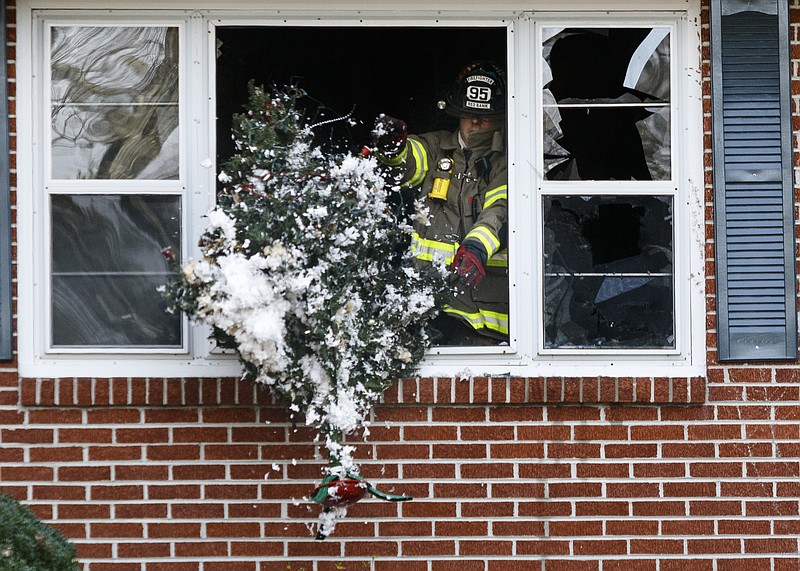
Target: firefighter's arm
{"type": "Point", "coordinates": [488, 226]}
{"type": "Point", "coordinates": [412, 161]}
{"type": "Point", "coordinates": [393, 147]}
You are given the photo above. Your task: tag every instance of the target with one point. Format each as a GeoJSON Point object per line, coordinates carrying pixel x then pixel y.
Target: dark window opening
{"type": "Point", "coordinates": [607, 104]}
{"type": "Point", "coordinates": [402, 72]}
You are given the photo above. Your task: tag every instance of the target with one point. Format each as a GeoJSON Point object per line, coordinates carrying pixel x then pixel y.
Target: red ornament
{"type": "Point", "coordinates": [342, 492]}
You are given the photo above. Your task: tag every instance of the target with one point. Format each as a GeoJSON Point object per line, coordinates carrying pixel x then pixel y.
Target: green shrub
{"type": "Point", "coordinates": [27, 544]}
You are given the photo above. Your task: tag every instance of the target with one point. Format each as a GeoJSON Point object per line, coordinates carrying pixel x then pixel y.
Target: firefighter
{"type": "Point", "coordinates": [462, 178]}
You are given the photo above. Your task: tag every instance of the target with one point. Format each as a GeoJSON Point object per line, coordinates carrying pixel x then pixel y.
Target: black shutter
{"type": "Point", "coordinates": [755, 259]}
{"type": "Point", "coordinates": [6, 333]}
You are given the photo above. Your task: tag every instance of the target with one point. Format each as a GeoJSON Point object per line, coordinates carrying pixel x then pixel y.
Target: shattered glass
{"type": "Point", "coordinates": [608, 272]}
{"type": "Point", "coordinates": [606, 104]}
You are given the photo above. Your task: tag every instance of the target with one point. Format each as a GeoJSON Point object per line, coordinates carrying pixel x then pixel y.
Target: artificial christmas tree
{"type": "Point", "coordinates": [306, 271]}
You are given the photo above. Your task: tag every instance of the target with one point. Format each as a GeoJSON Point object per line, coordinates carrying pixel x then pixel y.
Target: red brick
{"type": "Point", "coordinates": [26, 474]}
{"type": "Point", "coordinates": [575, 490]}
{"type": "Point", "coordinates": [630, 450]}
{"type": "Point", "coordinates": [56, 492]}
{"type": "Point", "coordinates": [454, 451]}
{"type": "Point", "coordinates": [659, 508]}
{"type": "Point", "coordinates": [486, 509]}
{"type": "Point", "coordinates": [542, 547]}
{"type": "Point", "coordinates": [106, 453]}
{"type": "Point", "coordinates": [117, 492]}
{"type": "Point", "coordinates": [402, 451]}
{"type": "Point", "coordinates": [173, 452]}
{"type": "Point", "coordinates": [632, 527]}
{"type": "Point", "coordinates": [572, 413]}
{"type": "Point", "coordinates": [142, 435]}
{"type": "Point", "coordinates": [459, 490]}
{"type": "Point", "coordinates": [599, 547]}
{"type": "Point", "coordinates": [600, 432]}
{"type": "Point", "coordinates": [255, 549]}
{"type": "Point", "coordinates": [656, 546]}
{"type": "Point", "coordinates": [141, 510]}
{"type": "Point", "coordinates": [607, 470]}
{"type": "Point", "coordinates": [543, 432]}
{"type": "Point", "coordinates": [26, 436]}
{"type": "Point", "coordinates": [515, 414]}
{"type": "Point", "coordinates": [518, 490]}
{"type": "Point", "coordinates": [517, 450]}
{"type": "Point", "coordinates": [368, 548]}
{"type": "Point", "coordinates": [685, 527]}
{"type": "Point", "coordinates": [427, 509]}
{"type": "Point", "coordinates": [400, 565]}
{"type": "Point", "coordinates": [116, 530]}
{"type": "Point", "coordinates": [477, 433]}
{"type": "Point", "coordinates": [233, 529]}
{"type": "Point", "coordinates": [457, 565]}
{"type": "Point", "coordinates": [602, 508]}
{"type": "Point", "coordinates": [557, 450]}
{"type": "Point", "coordinates": [629, 565]}
{"type": "Point", "coordinates": [174, 530]}
{"type": "Point", "coordinates": [749, 375]}
{"type": "Point", "coordinates": [142, 472]}
{"type": "Point", "coordinates": [771, 508]}
{"type": "Point", "coordinates": [545, 509]}
{"type": "Point", "coordinates": [230, 565]}
{"type": "Point", "coordinates": [142, 549]}
{"type": "Point", "coordinates": [680, 564]}
{"type": "Point", "coordinates": [571, 565]}
{"type": "Point", "coordinates": [710, 546]}
{"type": "Point", "coordinates": [712, 508]}
{"type": "Point", "coordinates": [421, 548]}
{"type": "Point", "coordinates": [53, 454]}
{"type": "Point", "coordinates": [749, 563]}
{"type": "Point", "coordinates": [84, 473]}
{"type": "Point", "coordinates": [576, 527]}
{"type": "Point", "coordinates": [544, 471]}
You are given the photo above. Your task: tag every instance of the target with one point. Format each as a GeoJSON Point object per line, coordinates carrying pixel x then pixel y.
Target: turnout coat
{"type": "Point", "coordinates": [475, 208]}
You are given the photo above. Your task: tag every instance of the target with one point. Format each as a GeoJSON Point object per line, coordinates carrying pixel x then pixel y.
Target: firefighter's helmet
{"type": "Point", "coordinates": [480, 89]}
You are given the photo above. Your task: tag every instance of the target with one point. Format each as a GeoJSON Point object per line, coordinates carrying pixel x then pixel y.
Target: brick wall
{"type": "Point", "coordinates": [534, 474]}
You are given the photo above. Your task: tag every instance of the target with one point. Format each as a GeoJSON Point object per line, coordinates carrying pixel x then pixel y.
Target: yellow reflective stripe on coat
{"type": "Point", "coordinates": [483, 318]}
{"type": "Point", "coordinates": [485, 237]}
{"type": "Point", "coordinates": [427, 250]}
{"type": "Point", "coordinates": [399, 159]}
{"type": "Point", "coordinates": [499, 259]}
{"type": "Point", "coordinates": [421, 161]}
{"type": "Point", "coordinates": [499, 193]}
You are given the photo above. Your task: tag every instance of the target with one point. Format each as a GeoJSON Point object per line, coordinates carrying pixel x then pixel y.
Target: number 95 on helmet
{"type": "Point", "coordinates": [480, 89]}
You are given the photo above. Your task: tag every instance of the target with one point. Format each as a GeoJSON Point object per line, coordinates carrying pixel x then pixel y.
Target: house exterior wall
{"type": "Point", "coordinates": [591, 473]}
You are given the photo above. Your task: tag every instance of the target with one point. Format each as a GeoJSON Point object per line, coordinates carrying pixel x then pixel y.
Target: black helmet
{"type": "Point", "coordinates": [480, 89]}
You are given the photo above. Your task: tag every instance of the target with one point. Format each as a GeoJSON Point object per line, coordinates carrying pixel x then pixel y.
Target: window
{"type": "Point", "coordinates": [113, 187]}
{"type": "Point", "coordinates": [605, 195]}
{"type": "Point", "coordinates": [605, 180]}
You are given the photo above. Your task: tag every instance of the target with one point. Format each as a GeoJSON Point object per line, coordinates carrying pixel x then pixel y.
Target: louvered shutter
{"type": "Point", "coordinates": [6, 333]}
{"type": "Point", "coordinates": [756, 307]}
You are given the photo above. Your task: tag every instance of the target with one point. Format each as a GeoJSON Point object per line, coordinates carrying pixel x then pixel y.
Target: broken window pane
{"type": "Point", "coordinates": [606, 103]}
{"type": "Point", "coordinates": [608, 274]}
{"type": "Point", "coordinates": [114, 97]}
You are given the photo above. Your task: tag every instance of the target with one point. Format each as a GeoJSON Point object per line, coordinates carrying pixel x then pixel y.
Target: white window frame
{"type": "Point", "coordinates": [525, 355]}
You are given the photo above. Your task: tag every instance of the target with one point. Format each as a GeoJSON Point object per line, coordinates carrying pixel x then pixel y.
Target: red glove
{"type": "Point", "coordinates": [470, 263]}
{"type": "Point", "coordinates": [389, 135]}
